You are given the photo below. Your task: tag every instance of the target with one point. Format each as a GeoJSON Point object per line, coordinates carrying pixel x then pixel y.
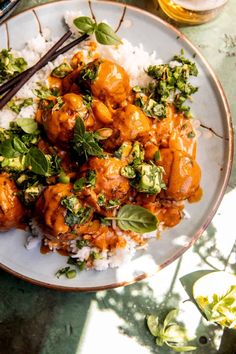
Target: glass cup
{"type": "Point", "coordinates": [192, 12]}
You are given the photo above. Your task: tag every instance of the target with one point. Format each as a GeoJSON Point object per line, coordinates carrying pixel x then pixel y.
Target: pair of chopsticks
{"type": "Point", "coordinates": [11, 87]}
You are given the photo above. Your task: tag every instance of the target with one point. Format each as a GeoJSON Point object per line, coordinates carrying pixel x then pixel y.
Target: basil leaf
{"type": "Point", "coordinates": [28, 125]}
{"type": "Point", "coordinates": [37, 162]}
{"type": "Point", "coordinates": [85, 24]}
{"type": "Point", "coordinates": [19, 146]}
{"type": "Point", "coordinates": [105, 35]}
{"type": "Point", "coordinates": [135, 218]}
{"type": "Point", "coordinates": [7, 149]}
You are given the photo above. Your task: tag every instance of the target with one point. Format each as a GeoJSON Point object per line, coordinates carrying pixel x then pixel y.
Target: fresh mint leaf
{"type": "Point", "coordinates": [7, 149]}
{"type": "Point", "coordinates": [19, 146]}
{"type": "Point", "coordinates": [85, 143]}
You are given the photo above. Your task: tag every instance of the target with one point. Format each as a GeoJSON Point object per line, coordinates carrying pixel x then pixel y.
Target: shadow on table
{"type": "Point", "coordinates": [35, 320]}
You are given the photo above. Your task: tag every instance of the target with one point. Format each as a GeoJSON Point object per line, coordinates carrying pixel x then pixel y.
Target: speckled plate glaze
{"type": "Point", "coordinates": [6, 7]}
{"type": "Point", "coordinates": [214, 154]}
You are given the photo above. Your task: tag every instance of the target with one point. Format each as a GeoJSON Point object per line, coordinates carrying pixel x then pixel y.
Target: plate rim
{"type": "Point", "coordinates": [228, 168]}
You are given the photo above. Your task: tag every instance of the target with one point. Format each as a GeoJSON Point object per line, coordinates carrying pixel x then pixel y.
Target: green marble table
{"type": "Point", "coordinates": [35, 320]}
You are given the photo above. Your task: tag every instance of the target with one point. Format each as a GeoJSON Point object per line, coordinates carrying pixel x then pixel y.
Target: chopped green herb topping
{"type": "Point", "coordinates": [17, 105]}
{"type": "Point", "coordinates": [88, 181]}
{"type": "Point", "coordinates": [67, 271]}
{"type": "Point", "coordinates": [62, 70]}
{"type": "Point", "coordinates": [171, 85]}
{"type": "Point", "coordinates": [10, 66]}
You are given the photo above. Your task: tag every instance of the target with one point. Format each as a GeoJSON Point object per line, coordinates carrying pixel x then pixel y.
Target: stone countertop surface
{"type": "Point", "coordinates": [35, 320]}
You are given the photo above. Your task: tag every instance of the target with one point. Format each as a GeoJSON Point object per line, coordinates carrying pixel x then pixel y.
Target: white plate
{"type": "Point", "coordinates": [214, 154]}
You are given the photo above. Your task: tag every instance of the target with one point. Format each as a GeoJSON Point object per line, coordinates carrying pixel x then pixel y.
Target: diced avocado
{"type": "Point", "coordinates": [124, 150]}
{"type": "Point", "coordinates": [137, 154]}
{"type": "Point", "coordinates": [150, 179]}
{"type": "Point", "coordinates": [13, 164]}
{"type": "Point", "coordinates": [128, 172]}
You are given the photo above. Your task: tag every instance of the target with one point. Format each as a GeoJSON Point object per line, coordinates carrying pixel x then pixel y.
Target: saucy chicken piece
{"type": "Point", "coordinates": [129, 124]}
{"type": "Point", "coordinates": [111, 83]}
{"type": "Point", "coordinates": [101, 236]}
{"type": "Point", "coordinates": [49, 208]}
{"type": "Point", "coordinates": [176, 132]}
{"type": "Point", "coordinates": [182, 174]}
{"type": "Point", "coordinates": [59, 123]}
{"type": "Point", "coordinates": [11, 209]}
{"type": "Point", "coordinates": [109, 183]}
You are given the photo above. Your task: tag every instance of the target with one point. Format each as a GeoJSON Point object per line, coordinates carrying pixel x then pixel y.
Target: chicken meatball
{"type": "Point", "coordinates": [109, 183]}
{"type": "Point", "coordinates": [11, 209]}
{"type": "Point", "coordinates": [59, 123]}
{"type": "Point", "coordinates": [129, 124]}
{"type": "Point", "coordinates": [111, 83]}
{"type": "Point", "coordinates": [50, 211]}
{"type": "Point", "coordinates": [182, 174]}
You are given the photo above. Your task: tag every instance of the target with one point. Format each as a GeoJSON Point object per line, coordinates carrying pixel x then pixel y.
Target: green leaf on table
{"type": "Point", "coordinates": [135, 218]}
{"type": "Point", "coordinates": [105, 35]}
{"type": "Point", "coordinates": [37, 162]}
{"type": "Point", "coordinates": [28, 125]}
{"type": "Point", "coordinates": [170, 317]}
{"type": "Point", "coordinates": [179, 349]}
{"type": "Point", "coordinates": [152, 323]}
{"type": "Point", "coordinates": [169, 333]}
{"type": "Point", "coordinates": [175, 333]}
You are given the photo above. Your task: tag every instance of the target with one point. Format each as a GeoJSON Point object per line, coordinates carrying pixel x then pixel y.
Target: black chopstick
{"type": "Point", "coordinates": [8, 96]}
{"type": "Point", "coordinates": [12, 82]}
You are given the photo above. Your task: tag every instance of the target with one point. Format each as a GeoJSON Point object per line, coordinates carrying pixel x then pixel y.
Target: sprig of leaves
{"type": "Point", "coordinates": [169, 333]}
{"type": "Point", "coordinates": [86, 143]}
{"type": "Point", "coordinates": [103, 32]}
